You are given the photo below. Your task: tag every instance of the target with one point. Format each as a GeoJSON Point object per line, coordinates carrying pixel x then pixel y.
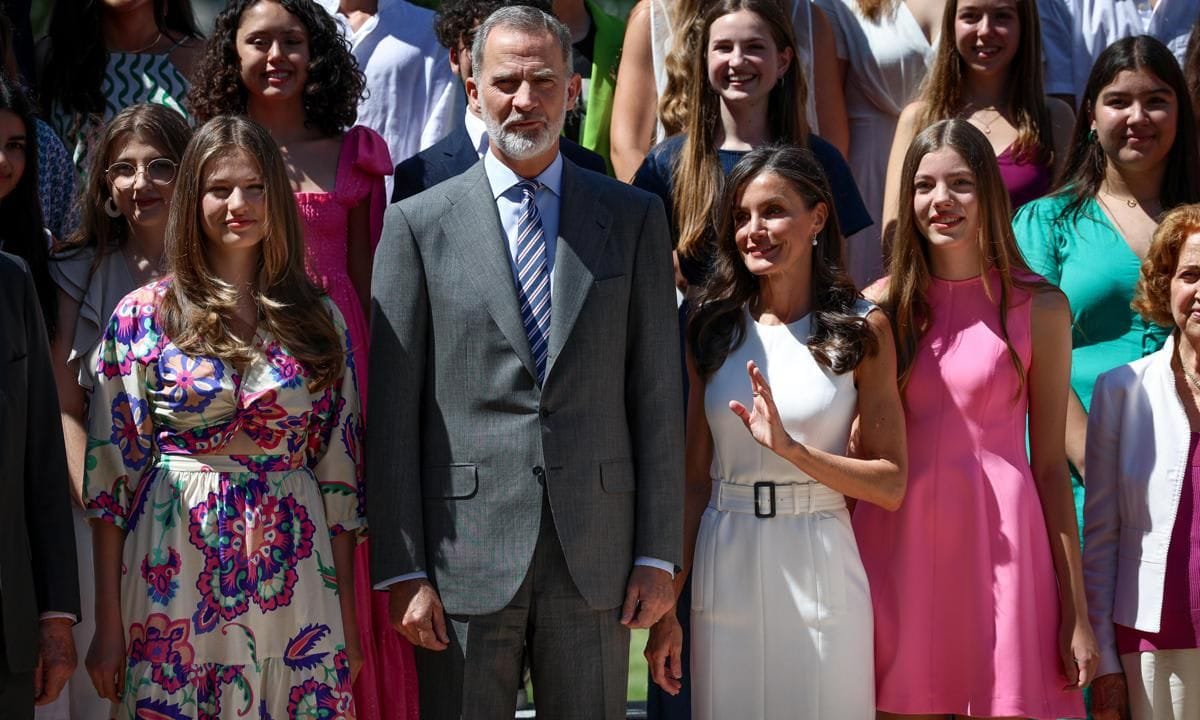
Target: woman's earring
{"type": "Point", "coordinates": [1091, 136]}
{"type": "Point", "coordinates": [815, 239]}
{"type": "Point", "coordinates": [111, 209]}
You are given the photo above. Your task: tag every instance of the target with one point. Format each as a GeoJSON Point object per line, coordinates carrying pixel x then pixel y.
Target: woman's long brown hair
{"type": "Point", "coordinates": [909, 273]}
{"type": "Point", "coordinates": [697, 177]}
{"type": "Point", "coordinates": [839, 336]}
{"type": "Point", "coordinates": [198, 307]}
{"type": "Point", "coordinates": [944, 89]}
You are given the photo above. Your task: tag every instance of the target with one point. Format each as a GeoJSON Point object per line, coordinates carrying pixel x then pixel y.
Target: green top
{"type": "Point", "coordinates": [610, 33]}
{"type": "Point", "coordinates": [1096, 269]}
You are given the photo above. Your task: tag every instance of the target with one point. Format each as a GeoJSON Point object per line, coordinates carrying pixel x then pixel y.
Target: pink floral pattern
{"type": "Point", "coordinates": [164, 644]}
{"type": "Point", "coordinates": [160, 577]}
{"type": "Point", "coordinates": [252, 542]}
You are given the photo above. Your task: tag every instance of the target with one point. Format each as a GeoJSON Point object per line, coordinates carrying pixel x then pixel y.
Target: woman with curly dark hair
{"type": "Point", "coordinates": [285, 65]}
{"type": "Point", "coordinates": [100, 57]}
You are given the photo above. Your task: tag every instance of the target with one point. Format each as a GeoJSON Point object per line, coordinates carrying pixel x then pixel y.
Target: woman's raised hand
{"type": "Point", "coordinates": [763, 419]}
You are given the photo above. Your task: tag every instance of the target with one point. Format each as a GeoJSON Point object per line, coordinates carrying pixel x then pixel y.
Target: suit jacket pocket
{"type": "Point", "coordinates": [616, 476]}
{"type": "Point", "coordinates": [450, 482]}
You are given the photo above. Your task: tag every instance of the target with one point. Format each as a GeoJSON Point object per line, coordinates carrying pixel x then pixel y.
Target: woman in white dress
{"type": "Point", "coordinates": [781, 610]}
{"type": "Point", "coordinates": [884, 49]}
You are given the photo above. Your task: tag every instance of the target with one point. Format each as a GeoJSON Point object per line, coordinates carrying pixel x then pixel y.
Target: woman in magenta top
{"type": "Point", "coordinates": [990, 75]}
{"type": "Point", "coordinates": [975, 580]}
{"type": "Point", "coordinates": [1142, 504]}
{"type": "Point", "coordinates": [285, 65]}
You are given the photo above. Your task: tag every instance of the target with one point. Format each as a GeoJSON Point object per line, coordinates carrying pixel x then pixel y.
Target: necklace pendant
{"type": "Point", "coordinates": [1131, 203]}
{"type": "Point", "coordinates": [987, 129]}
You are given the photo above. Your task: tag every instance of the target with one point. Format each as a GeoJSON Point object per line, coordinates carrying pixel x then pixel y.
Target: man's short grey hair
{"type": "Point", "coordinates": [526, 19]}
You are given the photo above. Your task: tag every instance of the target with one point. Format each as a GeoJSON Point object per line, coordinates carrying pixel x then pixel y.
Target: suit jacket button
{"type": "Point", "coordinates": [540, 474]}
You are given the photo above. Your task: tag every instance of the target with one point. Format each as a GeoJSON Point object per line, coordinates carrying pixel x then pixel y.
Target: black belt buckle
{"type": "Point", "coordinates": [770, 486]}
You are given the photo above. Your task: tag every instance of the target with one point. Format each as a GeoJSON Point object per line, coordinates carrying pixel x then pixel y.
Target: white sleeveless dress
{"type": "Point", "coordinates": [886, 63]}
{"type": "Point", "coordinates": [781, 609]}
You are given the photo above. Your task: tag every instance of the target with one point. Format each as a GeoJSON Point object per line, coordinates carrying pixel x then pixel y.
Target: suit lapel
{"type": "Point", "coordinates": [582, 234]}
{"type": "Point", "coordinates": [473, 228]}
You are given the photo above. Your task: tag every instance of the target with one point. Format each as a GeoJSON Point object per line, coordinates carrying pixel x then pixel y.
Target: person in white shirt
{"type": "Point", "coordinates": [1075, 32]}
{"type": "Point", "coordinates": [412, 98]}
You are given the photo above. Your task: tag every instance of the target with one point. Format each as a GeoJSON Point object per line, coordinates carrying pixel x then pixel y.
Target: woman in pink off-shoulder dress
{"type": "Point", "coordinates": [295, 75]}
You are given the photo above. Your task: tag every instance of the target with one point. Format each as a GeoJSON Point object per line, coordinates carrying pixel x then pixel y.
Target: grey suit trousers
{"type": "Point", "coordinates": [478, 676]}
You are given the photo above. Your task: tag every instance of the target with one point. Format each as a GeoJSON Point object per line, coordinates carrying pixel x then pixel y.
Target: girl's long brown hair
{"type": "Point", "coordinates": [1086, 164]}
{"type": "Point", "coordinates": [909, 274]}
{"type": "Point", "coordinates": [697, 177]}
{"type": "Point", "coordinates": [944, 89]}
{"type": "Point", "coordinates": [839, 337]}
{"type": "Point", "coordinates": [198, 306]}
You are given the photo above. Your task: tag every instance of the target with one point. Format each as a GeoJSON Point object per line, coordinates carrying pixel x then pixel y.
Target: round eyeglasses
{"type": "Point", "coordinates": [160, 171]}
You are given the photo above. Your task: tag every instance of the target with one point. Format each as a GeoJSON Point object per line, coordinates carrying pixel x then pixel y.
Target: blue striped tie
{"type": "Point", "coordinates": [533, 278]}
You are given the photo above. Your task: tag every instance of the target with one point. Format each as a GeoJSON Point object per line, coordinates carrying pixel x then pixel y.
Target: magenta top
{"type": "Point", "coordinates": [1180, 626]}
{"type": "Point", "coordinates": [1025, 180]}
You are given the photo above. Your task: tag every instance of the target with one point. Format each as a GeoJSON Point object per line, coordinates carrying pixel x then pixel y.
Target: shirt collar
{"type": "Point", "coordinates": [501, 177]}
{"type": "Point", "coordinates": [477, 131]}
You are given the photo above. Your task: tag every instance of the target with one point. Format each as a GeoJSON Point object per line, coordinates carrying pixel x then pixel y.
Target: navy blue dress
{"type": "Point", "coordinates": [655, 175]}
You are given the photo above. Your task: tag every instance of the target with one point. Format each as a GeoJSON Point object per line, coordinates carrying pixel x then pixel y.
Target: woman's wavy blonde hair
{"type": "Point", "coordinates": [198, 306]}
{"type": "Point", "coordinates": [1153, 296]}
{"type": "Point", "coordinates": [673, 109]}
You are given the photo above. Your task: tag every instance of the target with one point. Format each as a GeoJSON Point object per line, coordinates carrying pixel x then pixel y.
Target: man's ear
{"type": "Point", "coordinates": [574, 88]}
{"type": "Point", "coordinates": [472, 93]}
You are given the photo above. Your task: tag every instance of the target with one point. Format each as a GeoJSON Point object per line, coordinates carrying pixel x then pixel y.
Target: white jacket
{"type": "Point", "coordinates": [1137, 453]}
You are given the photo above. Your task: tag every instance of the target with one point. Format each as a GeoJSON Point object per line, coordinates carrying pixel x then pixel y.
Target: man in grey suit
{"type": "Point", "coordinates": [524, 452]}
{"type": "Point", "coordinates": [39, 581]}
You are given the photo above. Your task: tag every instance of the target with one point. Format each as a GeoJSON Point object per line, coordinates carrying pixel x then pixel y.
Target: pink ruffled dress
{"type": "Point", "coordinates": [386, 689]}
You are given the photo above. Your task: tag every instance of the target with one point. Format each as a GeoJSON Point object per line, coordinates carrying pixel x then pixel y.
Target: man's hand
{"type": "Point", "coordinates": [416, 613]}
{"type": "Point", "coordinates": [649, 595]}
{"type": "Point", "coordinates": [56, 660]}
{"type": "Point", "coordinates": [664, 654]}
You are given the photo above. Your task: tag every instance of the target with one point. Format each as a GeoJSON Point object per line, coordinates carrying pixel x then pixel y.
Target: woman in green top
{"type": "Point", "coordinates": [1127, 166]}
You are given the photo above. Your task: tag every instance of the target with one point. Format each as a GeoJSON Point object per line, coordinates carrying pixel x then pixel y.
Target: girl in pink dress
{"type": "Point", "coordinates": [285, 65]}
{"type": "Point", "coordinates": [975, 580]}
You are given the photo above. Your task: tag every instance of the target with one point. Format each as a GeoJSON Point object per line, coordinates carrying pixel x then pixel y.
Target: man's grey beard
{"type": "Point", "coordinates": [516, 145]}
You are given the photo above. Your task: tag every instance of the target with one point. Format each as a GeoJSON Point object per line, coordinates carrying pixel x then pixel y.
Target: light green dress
{"type": "Point", "coordinates": [1089, 260]}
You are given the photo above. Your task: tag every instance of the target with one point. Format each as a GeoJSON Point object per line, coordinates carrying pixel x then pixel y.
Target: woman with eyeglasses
{"type": "Point", "coordinates": [117, 248]}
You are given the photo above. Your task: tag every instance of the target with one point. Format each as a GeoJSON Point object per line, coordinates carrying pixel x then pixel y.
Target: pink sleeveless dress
{"type": "Point", "coordinates": [386, 689]}
{"type": "Point", "coordinates": [962, 581]}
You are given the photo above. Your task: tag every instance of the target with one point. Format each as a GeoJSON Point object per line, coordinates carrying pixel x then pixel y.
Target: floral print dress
{"type": "Point", "coordinates": [228, 589]}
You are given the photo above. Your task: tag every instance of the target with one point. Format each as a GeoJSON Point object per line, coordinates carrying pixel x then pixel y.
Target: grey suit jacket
{"type": "Point", "coordinates": [37, 537]}
{"type": "Point", "coordinates": [462, 441]}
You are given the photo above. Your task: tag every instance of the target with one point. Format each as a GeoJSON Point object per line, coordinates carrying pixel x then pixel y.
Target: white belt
{"type": "Point", "coordinates": [768, 499]}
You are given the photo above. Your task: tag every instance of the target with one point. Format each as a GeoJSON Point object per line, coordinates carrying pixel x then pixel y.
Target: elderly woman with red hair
{"type": "Point", "coordinates": [1142, 509]}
